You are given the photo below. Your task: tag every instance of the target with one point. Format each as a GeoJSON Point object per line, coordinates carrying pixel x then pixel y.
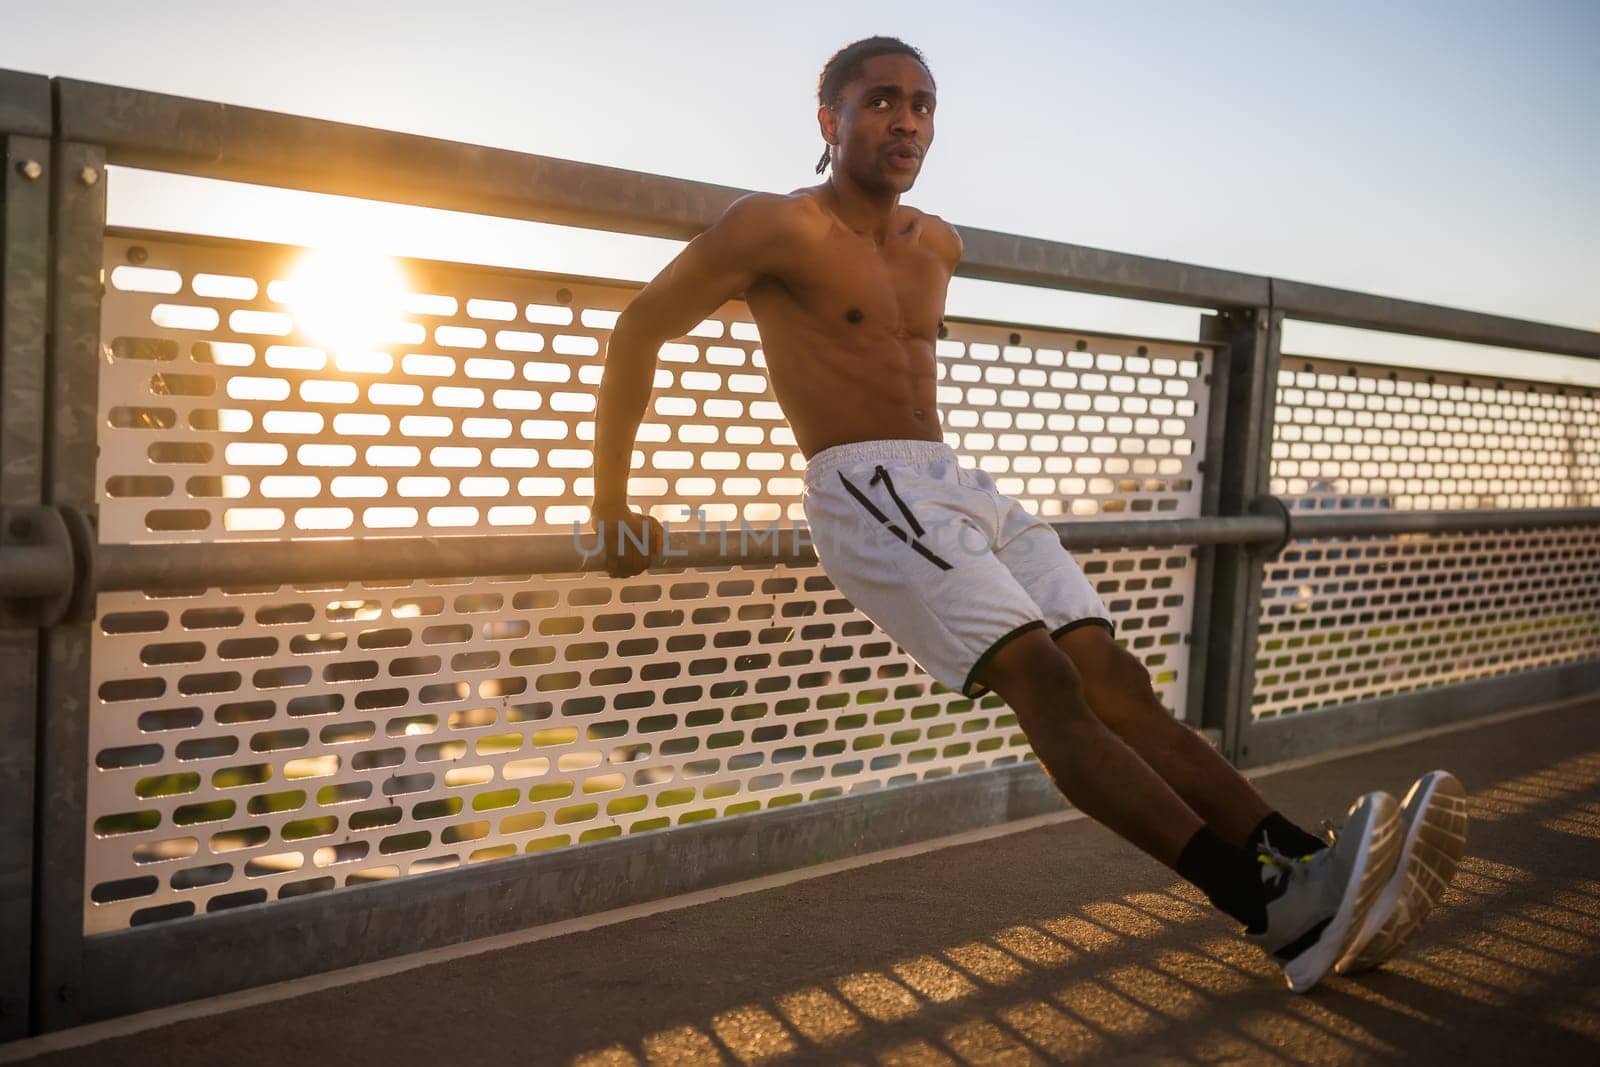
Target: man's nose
{"type": "Point", "coordinates": [905, 122]}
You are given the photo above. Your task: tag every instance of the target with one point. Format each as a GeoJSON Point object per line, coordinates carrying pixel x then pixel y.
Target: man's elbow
{"type": "Point", "coordinates": [628, 334]}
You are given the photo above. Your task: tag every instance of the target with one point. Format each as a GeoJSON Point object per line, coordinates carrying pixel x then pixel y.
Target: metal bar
{"type": "Point", "coordinates": [37, 571]}
{"type": "Point", "coordinates": [24, 246]}
{"type": "Point", "coordinates": [173, 133]}
{"type": "Point", "coordinates": [1023, 329]}
{"type": "Point", "coordinates": [1005, 257]}
{"type": "Point", "coordinates": [162, 132]}
{"type": "Point", "coordinates": [1318, 303]}
{"type": "Point", "coordinates": [1248, 390]}
{"type": "Point", "coordinates": [22, 318]}
{"type": "Point", "coordinates": [157, 567]}
{"type": "Point", "coordinates": [1215, 366]}
{"type": "Point", "coordinates": [30, 571]}
{"type": "Point", "coordinates": [1198, 639]}
{"type": "Point", "coordinates": [34, 571]}
{"type": "Point", "coordinates": [1309, 732]}
{"type": "Point", "coordinates": [1164, 533]}
{"type": "Point", "coordinates": [1308, 524]}
{"type": "Point", "coordinates": [78, 220]}
{"type": "Point", "coordinates": [24, 104]}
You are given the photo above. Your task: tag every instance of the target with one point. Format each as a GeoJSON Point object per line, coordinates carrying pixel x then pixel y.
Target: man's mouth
{"type": "Point", "coordinates": [904, 157]}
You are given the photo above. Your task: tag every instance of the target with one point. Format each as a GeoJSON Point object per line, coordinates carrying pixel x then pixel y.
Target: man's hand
{"type": "Point", "coordinates": [622, 530]}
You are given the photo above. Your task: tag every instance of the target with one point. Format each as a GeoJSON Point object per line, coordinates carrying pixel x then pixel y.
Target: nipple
{"type": "Point", "coordinates": [854, 315]}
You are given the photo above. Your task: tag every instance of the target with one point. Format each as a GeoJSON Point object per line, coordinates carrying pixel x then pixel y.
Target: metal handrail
{"type": "Point", "coordinates": [171, 133]}
{"type": "Point", "coordinates": [27, 571]}
{"type": "Point", "coordinates": [35, 571]}
{"type": "Point", "coordinates": [1305, 525]}
{"type": "Point", "coordinates": [160, 132]}
{"type": "Point", "coordinates": [156, 567]}
{"type": "Point", "coordinates": [24, 104]}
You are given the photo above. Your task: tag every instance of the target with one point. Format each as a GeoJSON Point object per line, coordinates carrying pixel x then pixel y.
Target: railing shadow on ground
{"type": "Point", "coordinates": [1508, 967]}
{"type": "Point", "coordinates": [1142, 976]}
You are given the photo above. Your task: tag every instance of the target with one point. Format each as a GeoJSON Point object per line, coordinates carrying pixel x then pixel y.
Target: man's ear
{"type": "Point", "coordinates": [828, 121]}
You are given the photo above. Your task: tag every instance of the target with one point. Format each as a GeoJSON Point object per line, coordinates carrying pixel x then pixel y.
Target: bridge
{"type": "Point", "coordinates": [312, 689]}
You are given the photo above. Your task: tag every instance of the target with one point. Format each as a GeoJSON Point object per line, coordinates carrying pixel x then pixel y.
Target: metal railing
{"type": "Point", "coordinates": [49, 572]}
{"type": "Point", "coordinates": [122, 858]}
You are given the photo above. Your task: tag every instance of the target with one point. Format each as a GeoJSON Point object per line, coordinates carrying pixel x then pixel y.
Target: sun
{"type": "Point", "coordinates": [346, 300]}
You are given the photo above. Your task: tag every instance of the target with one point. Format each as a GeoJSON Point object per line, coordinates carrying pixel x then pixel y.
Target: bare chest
{"type": "Point", "coordinates": [848, 284]}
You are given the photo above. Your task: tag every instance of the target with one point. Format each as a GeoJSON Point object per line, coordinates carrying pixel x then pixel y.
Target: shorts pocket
{"type": "Point", "coordinates": [892, 526]}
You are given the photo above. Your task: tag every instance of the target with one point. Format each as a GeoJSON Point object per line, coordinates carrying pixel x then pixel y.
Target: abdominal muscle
{"type": "Point", "coordinates": [838, 397]}
{"type": "Point", "coordinates": [878, 387]}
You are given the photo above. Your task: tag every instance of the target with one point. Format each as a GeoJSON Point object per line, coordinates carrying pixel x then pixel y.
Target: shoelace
{"type": "Point", "coordinates": [1267, 855]}
{"type": "Point", "coordinates": [1281, 869]}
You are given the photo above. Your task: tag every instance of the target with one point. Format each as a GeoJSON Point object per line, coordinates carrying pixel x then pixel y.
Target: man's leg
{"type": "Point", "coordinates": [1096, 769]}
{"type": "Point", "coordinates": [1117, 687]}
{"type": "Point", "coordinates": [1314, 909]}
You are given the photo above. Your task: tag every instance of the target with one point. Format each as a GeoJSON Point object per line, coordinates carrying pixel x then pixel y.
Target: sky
{"type": "Point", "coordinates": [1440, 151]}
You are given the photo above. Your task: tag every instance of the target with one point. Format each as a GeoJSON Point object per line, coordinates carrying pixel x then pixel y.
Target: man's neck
{"type": "Point", "coordinates": [864, 212]}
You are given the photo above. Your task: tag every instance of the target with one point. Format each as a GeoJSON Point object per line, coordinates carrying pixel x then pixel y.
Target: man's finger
{"type": "Point", "coordinates": [657, 540]}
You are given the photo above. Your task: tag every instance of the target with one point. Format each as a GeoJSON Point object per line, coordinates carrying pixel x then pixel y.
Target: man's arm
{"type": "Point", "coordinates": [714, 268]}
{"type": "Point", "coordinates": [950, 243]}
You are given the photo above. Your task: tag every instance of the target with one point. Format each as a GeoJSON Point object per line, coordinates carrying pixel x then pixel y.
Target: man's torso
{"type": "Point", "coordinates": [849, 325]}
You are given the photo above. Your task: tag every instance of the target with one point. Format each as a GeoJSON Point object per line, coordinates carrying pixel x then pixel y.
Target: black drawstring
{"type": "Point", "coordinates": [888, 483]}
{"type": "Point", "coordinates": [873, 509]}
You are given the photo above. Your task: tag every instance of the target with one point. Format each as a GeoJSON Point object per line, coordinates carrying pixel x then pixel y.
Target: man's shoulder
{"type": "Point", "coordinates": [775, 214]}
{"type": "Point", "coordinates": [941, 234]}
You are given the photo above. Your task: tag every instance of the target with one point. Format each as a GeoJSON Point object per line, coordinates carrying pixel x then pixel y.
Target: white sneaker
{"type": "Point", "coordinates": [1435, 816]}
{"type": "Point", "coordinates": [1317, 904]}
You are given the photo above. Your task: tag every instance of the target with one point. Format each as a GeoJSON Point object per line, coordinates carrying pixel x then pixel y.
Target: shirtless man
{"type": "Point", "coordinates": [847, 286]}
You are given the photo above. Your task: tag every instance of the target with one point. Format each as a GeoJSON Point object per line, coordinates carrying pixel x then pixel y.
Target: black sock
{"type": "Point", "coordinates": [1285, 836]}
{"type": "Point", "coordinates": [1229, 877]}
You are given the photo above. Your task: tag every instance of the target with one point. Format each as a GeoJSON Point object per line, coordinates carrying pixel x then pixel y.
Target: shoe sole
{"type": "Point", "coordinates": [1369, 874]}
{"type": "Point", "coordinates": [1435, 842]}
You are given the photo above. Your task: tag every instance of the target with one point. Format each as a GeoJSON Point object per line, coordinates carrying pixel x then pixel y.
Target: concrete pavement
{"type": "Point", "coordinates": [1054, 944]}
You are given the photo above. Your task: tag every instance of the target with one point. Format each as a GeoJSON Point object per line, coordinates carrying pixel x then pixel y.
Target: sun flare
{"type": "Point", "coordinates": [346, 300]}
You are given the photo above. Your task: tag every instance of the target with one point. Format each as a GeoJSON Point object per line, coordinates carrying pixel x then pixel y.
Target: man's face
{"type": "Point", "coordinates": [884, 124]}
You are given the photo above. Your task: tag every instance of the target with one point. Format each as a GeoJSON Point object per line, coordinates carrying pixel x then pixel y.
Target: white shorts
{"type": "Point", "coordinates": [933, 554]}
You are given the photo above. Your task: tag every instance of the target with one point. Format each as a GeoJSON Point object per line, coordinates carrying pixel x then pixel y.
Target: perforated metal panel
{"type": "Point", "coordinates": [1346, 619]}
{"type": "Point", "coordinates": [255, 744]}
{"type": "Point", "coordinates": [226, 423]}
{"type": "Point", "coordinates": [1365, 436]}
{"type": "Point", "coordinates": [1353, 618]}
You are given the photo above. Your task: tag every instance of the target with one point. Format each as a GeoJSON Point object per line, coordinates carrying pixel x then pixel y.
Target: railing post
{"type": "Point", "coordinates": [24, 241]}
{"type": "Point", "coordinates": [77, 229]}
{"type": "Point", "coordinates": [1238, 467]}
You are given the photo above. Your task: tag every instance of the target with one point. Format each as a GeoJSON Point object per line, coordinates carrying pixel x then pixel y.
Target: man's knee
{"type": "Point", "coordinates": [1101, 661]}
{"type": "Point", "coordinates": [1130, 674]}
{"type": "Point", "coordinates": [1032, 670]}
{"type": "Point", "coordinates": [1116, 683]}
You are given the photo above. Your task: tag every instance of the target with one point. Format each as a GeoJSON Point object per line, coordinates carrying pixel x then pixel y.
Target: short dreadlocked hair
{"type": "Point", "coordinates": [846, 66]}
